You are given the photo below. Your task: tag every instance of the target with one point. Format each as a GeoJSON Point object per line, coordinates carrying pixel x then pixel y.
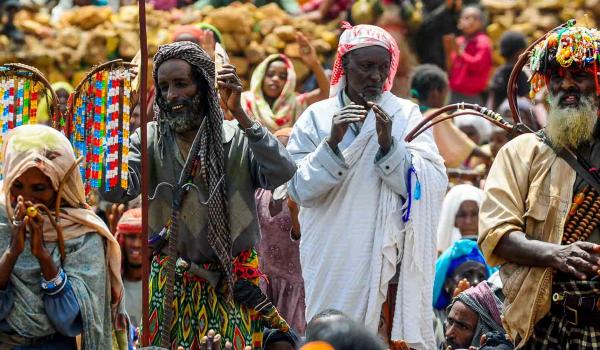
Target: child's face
{"type": "Point", "coordinates": [470, 22]}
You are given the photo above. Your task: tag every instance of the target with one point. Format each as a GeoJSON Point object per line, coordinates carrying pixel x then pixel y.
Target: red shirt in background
{"type": "Point", "coordinates": [471, 70]}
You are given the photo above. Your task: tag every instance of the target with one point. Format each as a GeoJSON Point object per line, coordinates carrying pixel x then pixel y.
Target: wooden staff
{"type": "Point", "coordinates": [143, 121]}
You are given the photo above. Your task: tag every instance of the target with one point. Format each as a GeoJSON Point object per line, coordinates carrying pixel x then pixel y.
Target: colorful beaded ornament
{"type": "Point", "coordinates": [97, 123]}
{"type": "Point", "coordinates": [568, 47]}
{"type": "Point", "coordinates": [21, 89]}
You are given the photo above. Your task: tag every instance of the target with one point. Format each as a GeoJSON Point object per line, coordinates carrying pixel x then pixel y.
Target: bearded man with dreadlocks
{"type": "Point", "coordinates": [202, 213]}
{"type": "Point", "coordinates": [539, 218]}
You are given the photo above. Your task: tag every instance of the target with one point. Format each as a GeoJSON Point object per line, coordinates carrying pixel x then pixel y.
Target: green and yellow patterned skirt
{"type": "Point", "coordinates": [198, 307]}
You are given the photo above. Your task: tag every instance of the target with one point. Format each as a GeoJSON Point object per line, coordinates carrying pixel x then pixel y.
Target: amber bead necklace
{"type": "Point", "coordinates": [582, 219]}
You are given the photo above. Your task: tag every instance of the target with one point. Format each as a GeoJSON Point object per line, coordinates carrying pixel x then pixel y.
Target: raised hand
{"type": "Point", "coordinates": [208, 42]}
{"type": "Point", "coordinates": [36, 230]}
{"type": "Point", "coordinates": [212, 341]}
{"type": "Point", "coordinates": [17, 243]}
{"type": "Point", "coordinates": [351, 113]}
{"type": "Point", "coordinates": [116, 211]}
{"type": "Point", "coordinates": [230, 89]}
{"type": "Point", "coordinates": [383, 125]}
{"type": "Point", "coordinates": [463, 285]}
{"type": "Point", "coordinates": [308, 54]}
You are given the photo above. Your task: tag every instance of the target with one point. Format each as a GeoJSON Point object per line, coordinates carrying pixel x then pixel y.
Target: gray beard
{"type": "Point", "coordinates": [371, 98]}
{"type": "Point", "coordinates": [571, 127]}
{"type": "Point", "coordinates": [183, 122]}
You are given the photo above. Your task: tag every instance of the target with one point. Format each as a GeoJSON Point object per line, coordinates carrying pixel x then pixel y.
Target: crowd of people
{"type": "Point", "coordinates": [290, 216]}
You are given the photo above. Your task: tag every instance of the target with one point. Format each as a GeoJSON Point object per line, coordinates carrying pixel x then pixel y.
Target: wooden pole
{"type": "Point", "coordinates": [143, 122]}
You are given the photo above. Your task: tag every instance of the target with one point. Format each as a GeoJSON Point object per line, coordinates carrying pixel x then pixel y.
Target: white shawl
{"type": "Point", "coordinates": [354, 238]}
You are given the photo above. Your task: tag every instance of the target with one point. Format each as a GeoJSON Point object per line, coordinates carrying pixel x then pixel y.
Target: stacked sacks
{"type": "Point", "coordinates": [90, 35]}
{"type": "Point", "coordinates": [536, 17]}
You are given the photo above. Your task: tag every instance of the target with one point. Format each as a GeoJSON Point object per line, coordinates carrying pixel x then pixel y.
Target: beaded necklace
{"type": "Point", "coordinates": [582, 219]}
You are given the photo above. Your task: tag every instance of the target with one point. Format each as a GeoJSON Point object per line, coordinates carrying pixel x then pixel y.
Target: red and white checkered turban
{"type": "Point", "coordinates": [357, 37]}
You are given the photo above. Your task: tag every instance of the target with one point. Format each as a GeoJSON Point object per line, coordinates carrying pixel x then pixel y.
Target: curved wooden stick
{"type": "Point", "coordinates": [89, 75]}
{"type": "Point", "coordinates": [484, 112]}
{"type": "Point", "coordinates": [41, 78]}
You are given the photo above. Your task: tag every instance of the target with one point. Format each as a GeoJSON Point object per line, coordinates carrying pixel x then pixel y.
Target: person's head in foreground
{"type": "Point", "coordinates": [429, 84]}
{"type": "Point", "coordinates": [366, 63]}
{"type": "Point", "coordinates": [463, 260]}
{"type": "Point", "coordinates": [274, 339]}
{"type": "Point", "coordinates": [565, 63]}
{"type": "Point", "coordinates": [473, 313]}
{"type": "Point", "coordinates": [342, 334]}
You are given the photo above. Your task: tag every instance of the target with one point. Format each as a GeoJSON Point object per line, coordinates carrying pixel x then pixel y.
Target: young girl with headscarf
{"type": "Point", "coordinates": [55, 283]}
{"type": "Point", "coordinates": [273, 99]}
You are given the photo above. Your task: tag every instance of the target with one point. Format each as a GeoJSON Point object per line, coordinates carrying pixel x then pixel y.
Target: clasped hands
{"type": "Point", "coordinates": [26, 219]}
{"type": "Point", "coordinates": [354, 113]}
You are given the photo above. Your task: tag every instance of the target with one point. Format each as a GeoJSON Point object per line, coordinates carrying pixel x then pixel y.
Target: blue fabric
{"type": "Point", "coordinates": [459, 252]}
{"type": "Point", "coordinates": [63, 311]}
{"type": "Point", "coordinates": [6, 302]}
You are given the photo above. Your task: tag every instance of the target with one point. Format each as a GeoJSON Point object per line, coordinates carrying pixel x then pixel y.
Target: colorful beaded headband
{"type": "Point", "coordinates": [568, 47]}
{"type": "Point", "coordinates": [21, 90]}
{"type": "Point", "coordinates": [97, 124]}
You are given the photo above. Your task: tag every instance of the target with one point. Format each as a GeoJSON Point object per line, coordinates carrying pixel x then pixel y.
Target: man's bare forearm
{"type": "Point", "coordinates": [517, 248]}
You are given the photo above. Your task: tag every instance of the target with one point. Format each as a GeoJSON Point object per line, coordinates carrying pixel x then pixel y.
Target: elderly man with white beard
{"type": "Point", "coordinates": [540, 215]}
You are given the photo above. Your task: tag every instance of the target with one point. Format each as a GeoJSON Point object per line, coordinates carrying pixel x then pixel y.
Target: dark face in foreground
{"type": "Point", "coordinates": [280, 345]}
{"type": "Point", "coordinates": [569, 86]}
{"type": "Point", "coordinates": [366, 71]}
{"type": "Point", "coordinates": [460, 326]}
{"type": "Point", "coordinates": [181, 95]}
{"type": "Point", "coordinates": [34, 186]}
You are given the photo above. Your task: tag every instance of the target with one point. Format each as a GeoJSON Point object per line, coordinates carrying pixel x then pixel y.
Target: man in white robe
{"type": "Point", "coordinates": [369, 201]}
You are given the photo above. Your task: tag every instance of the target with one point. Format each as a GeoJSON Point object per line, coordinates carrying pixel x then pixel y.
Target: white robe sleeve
{"type": "Point", "coordinates": [319, 168]}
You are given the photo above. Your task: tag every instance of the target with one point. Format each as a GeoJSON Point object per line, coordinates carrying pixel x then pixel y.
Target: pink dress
{"type": "Point", "coordinates": [279, 259]}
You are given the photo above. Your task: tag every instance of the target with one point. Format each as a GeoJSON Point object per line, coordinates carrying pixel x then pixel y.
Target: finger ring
{"type": "Point", "coordinates": [16, 222]}
{"type": "Point", "coordinates": [306, 50]}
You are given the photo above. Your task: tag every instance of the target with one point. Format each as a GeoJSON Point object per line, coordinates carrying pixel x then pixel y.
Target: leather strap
{"type": "Point", "coordinates": [569, 156]}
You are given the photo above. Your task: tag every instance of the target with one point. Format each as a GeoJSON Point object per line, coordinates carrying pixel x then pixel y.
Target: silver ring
{"type": "Point", "coordinates": [16, 222]}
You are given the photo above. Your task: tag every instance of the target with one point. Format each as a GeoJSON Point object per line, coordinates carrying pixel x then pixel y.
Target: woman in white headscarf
{"type": "Point", "coordinates": [459, 216]}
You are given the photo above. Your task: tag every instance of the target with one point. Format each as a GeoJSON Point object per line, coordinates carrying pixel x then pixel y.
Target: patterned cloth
{"type": "Point", "coordinates": [199, 307]}
{"type": "Point", "coordinates": [357, 37]}
{"type": "Point", "coordinates": [286, 108]}
{"type": "Point", "coordinates": [554, 332]}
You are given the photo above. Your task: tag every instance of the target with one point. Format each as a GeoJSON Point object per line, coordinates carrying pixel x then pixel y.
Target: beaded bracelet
{"type": "Point", "coordinates": [55, 285]}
